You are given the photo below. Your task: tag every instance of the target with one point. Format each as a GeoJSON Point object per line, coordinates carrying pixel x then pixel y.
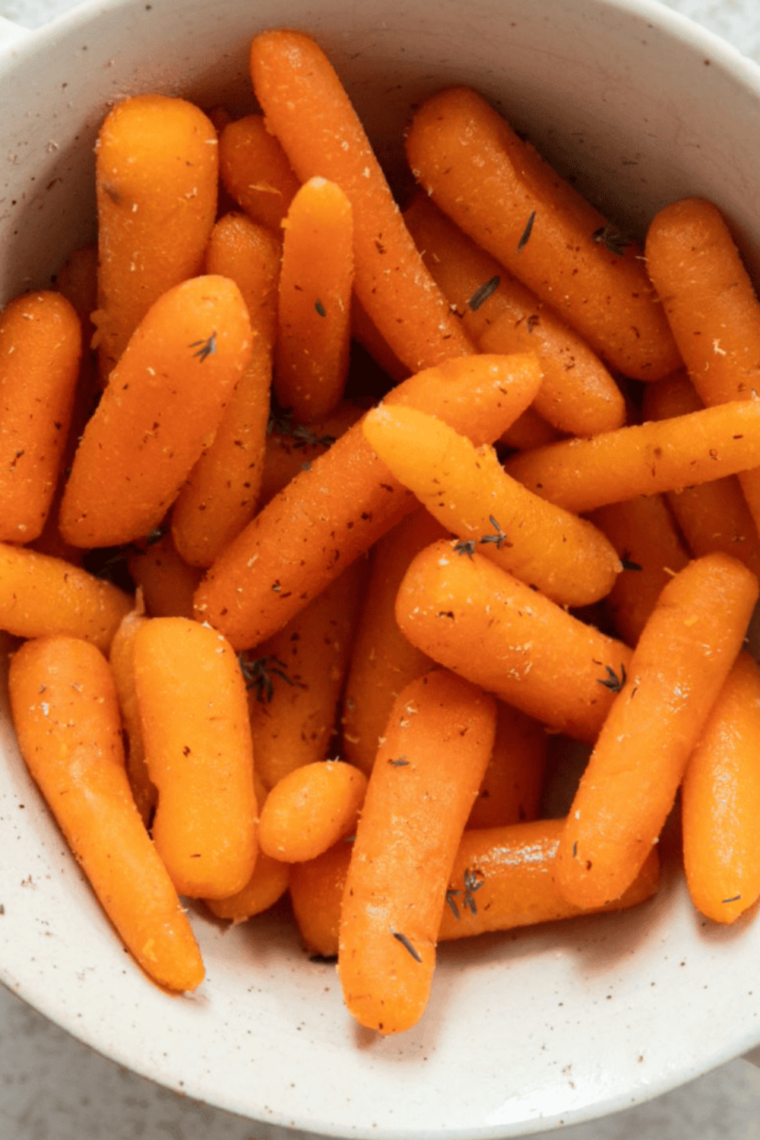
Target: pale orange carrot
{"type": "Point", "coordinates": [513, 781]}
{"type": "Point", "coordinates": [310, 809]}
{"type": "Point", "coordinates": [255, 172]}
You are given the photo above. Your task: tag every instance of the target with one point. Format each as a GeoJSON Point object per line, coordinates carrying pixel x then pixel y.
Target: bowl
{"type": "Point", "coordinates": [528, 1030]}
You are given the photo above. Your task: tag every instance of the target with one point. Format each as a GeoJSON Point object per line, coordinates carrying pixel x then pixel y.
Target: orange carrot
{"type": "Point", "coordinates": [310, 809]}
{"type": "Point", "coordinates": [192, 701]}
{"type": "Point", "coordinates": [121, 659]}
{"type": "Point", "coordinates": [329, 515]}
{"type": "Point", "coordinates": [501, 193]}
{"type": "Point", "coordinates": [513, 781]}
{"type": "Point", "coordinates": [365, 332]}
{"type": "Point", "coordinates": [167, 582]}
{"type": "Point", "coordinates": [156, 180]}
{"type": "Point", "coordinates": [161, 408]}
{"type": "Point", "coordinates": [66, 716]}
{"type": "Point", "coordinates": [421, 790]}
{"type": "Point", "coordinates": [529, 430]}
{"type": "Point", "coordinates": [484, 624]}
{"type": "Point", "coordinates": [267, 884]}
{"type": "Point", "coordinates": [255, 172]}
{"type": "Point", "coordinates": [307, 109]}
{"type": "Point", "coordinates": [316, 893]}
{"type": "Point", "coordinates": [682, 658]}
{"type": "Point", "coordinates": [291, 446]}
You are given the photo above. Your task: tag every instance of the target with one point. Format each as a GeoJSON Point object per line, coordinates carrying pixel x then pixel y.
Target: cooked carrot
{"type": "Point", "coordinates": [156, 179]}
{"type": "Point", "coordinates": [720, 801]}
{"type": "Point", "coordinates": [578, 395]}
{"type": "Point", "coordinates": [643, 459]}
{"type": "Point", "coordinates": [466, 488]}
{"type": "Point", "coordinates": [307, 109]}
{"type": "Point", "coordinates": [291, 446]}
{"type": "Point", "coordinates": [296, 676]}
{"type": "Point", "coordinates": [486, 625]}
{"type": "Point", "coordinates": [439, 737]}
{"type": "Point", "coordinates": [366, 333]}
{"type": "Point", "coordinates": [255, 172]}
{"type": "Point", "coordinates": [121, 660]}
{"type": "Point", "coordinates": [42, 595]}
{"type": "Point", "coordinates": [383, 661]}
{"type": "Point", "coordinates": [192, 701]}
{"type": "Point", "coordinates": [529, 430]}
{"type": "Point", "coordinates": [681, 660]}
{"type": "Point", "coordinates": [66, 716]}
{"type": "Point", "coordinates": [316, 894]}
{"type": "Point", "coordinates": [310, 809]}
{"type": "Point", "coordinates": [267, 884]}
{"type": "Point", "coordinates": [161, 408]}
{"type": "Point", "coordinates": [329, 515]}
{"type": "Point", "coordinates": [167, 582]}
{"type": "Point", "coordinates": [501, 193]}
{"type": "Point", "coordinates": [513, 781]}
{"type": "Point", "coordinates": [222, 490]}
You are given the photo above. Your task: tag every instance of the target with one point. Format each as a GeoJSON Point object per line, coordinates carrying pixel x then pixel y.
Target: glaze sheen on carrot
{"type": "Point", "coordinates": [66, 716]}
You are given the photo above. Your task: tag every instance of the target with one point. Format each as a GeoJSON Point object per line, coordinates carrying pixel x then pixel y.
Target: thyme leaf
{"type": "Point", "coordinates": [483, 292]}
{"type": "Point", "coordinates": [402, 938]}
{"type": "Point", "coordinates": [526, 233]}
{"type": "Point", "coordinates": [612, 681]}
{"type": "Point", "coordinates": [205, 348]}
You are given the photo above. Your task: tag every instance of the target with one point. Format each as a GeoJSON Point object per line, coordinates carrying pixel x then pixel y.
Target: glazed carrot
{"type": "Point", "coordinates": [578, 395]}
{"type": "Point", "coordinates": [162, 406]}
{"type": "Point", "coordinates": [255, 172]}
{"type": "Point", "coordinates": [528, 430]}
{"type": "Point", "coordinates": [296, 676]}
{"type": "Point", "coordinates": [680, 663]}
{"type": "Point", "coordinates": [383, 661]}
{"type": "Point", "coordinates": [310, 809]}
{"type": "Point", "coordinates": [156, 181]}
{"type": "Point", "coordinates": [643, 459]}
{"type": "Point", "coordinates": [720, 801]}
{"type": "Point", "coordinates": [66, 716]}
{"type": "Point", "coordinates": [42, 595]}
{"type": "Point", "coordinates": [222, 491]}
{"type": "Point", "coordinates": [484, 624]}
{"type": "Point", "coordinates": [421, 790]}
{"type": "Point", "coordinates": [307, 109]}
{"type": "Point", "coordinates": [121, 660]}
{"type": "Point", "coordinates": [291, 447]}
{"type": "Point", "coordinates": [192, 701]}
{"type": "Point", "coordinates": [329, 515]}
{"type": "Point", "coordinates": [501, 193]}
{"type": "Point", "coordinates": [467, 490]}
{"type": "Point", "coordinates": [267, 884]}
{"type": "Point", "coordinates": [40, 351]}
{"type": "Point", "coordinates": [513, 781]}
{"type": "Point", "coordinates": [316, 894]}
{"type": "Point", "coordinates": [365, 332]}
{"type": "Point", "coordinates": [166, 581]}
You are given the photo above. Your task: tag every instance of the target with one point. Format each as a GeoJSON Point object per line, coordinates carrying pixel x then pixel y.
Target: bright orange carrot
{"type": "Point", "coordinates": [66, 716]}
{"type": "Point", "coordinates": [329, 515]}
{"type": "Point", "coordinates": [192, 701]}
{"type": "Point", "coordinates": [484, 624]}
{"type": "Point", "coordinates": [680, 663]}
{"type": "Point", "coordinates": [156, 179]}
{"type": "Point", "coordinates": [121, 660]}
{"type": "Point", "coordinates": [255, 172]}
{"type": "Point", "coordinates": [467, 490]}
{"type": "Point", "coordinates": [421, 790]}
{"type": "Point", "coordinates": [307, 109]}
{"type": "Point", "coordinates": [316, 894]}
{"type": "Point", "coordinates": [513, 781]}
{"type": "Point", "coordinates": [162, 406]}
{"type": "Point", "coordinates": [310, 809]}
{"type": "Point", "coordinates": [267, 884]}
{"type": "Point", "coordinates": [501, 193]}
{"type": "Point", "coordinates": [167, 582]}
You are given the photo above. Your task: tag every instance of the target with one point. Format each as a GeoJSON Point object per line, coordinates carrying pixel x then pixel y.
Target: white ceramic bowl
{"type": "Point", "coordinates": [525, 1031]}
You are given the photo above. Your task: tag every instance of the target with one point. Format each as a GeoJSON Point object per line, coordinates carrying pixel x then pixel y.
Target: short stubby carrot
{"type": "Point", "coordinates": [66, 716]}
{"type": "Point", "coordinates": [166, 582]}
{"type": "Point", "coordinates": [43, 595]}
{"type": "Point", "coordinates": [268, 883]}
{"type": "Point", "coordinates": [255, 172]}
{"type": "Point", "coordinates": [334, 511]}
{"type": "Point", "coordinates": [681, 660]}
{"type": "Point", "coordinates": [513, 782]}
{"type": "Point", "coordinates": [501, 193]}
{"type": "Point", "coordinates": [161, 408]}
{"type": "Point", "coordinates": [439, 737]}
{"type": "Point", "coordinates": [484, 624]}
{"type": "Point", "coordinates": [194, 713]}
{"type": "Point", "coordinates": [40, 353]}
{"type": "Point", "coordinates": [156, 179]}
{"type": "Point", "coordinates": [467, 490]}
{"type": "Point", "coordinates": [720, 801]}
{"type": "Point", "coordinates": [310, 809]}
{"type": "Point", "coordinates": [308, 110]}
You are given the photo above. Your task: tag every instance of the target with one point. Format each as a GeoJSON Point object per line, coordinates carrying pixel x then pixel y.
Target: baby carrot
{"type": "Point", "coordinates": [121, 660]}
{"type": "Point", "coordinates": [316, 893]}
{"type": "Point", "coordinates": [310, 809]}
{"type": "Point", "coordinates": [501, 193]}
{"type": "Point", "coordinates": [192, 701]}
{"type": "Point", "coordinates": [156, 181]}
{"type": "Point", "coordinates": [160, 409]}
{"type": "Point", "coordinates": [333, 512]}
{"type": "Point", "coordinates": [513, 781]}
{"type": "Point", "coordinates": [267, 884]}
{"type": "Point", "coordinates": [66, 717]}
{"type": "Point", "coordinates": [307, 109]}
{"type": "Point", "coordinates": [680, 663]}
{"type": "Point", "coordinates": [291, 447]}
{"type": "Point", "coordinates": [255, 172]}
{"type": "Point", "coordinates": [486, 625]}
{"type": "Point", "coordinates": [467, 490]}
{"type": "Point", "coordinates": [166, 581]}
{"type": "Point", "coordinates": [421, 790]}
{"type": "Point", "coordinates": [720, 801]}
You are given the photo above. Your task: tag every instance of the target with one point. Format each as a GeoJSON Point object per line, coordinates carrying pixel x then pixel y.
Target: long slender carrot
{"type": "Point", "coordinates": [508, 200]}
{"type": "Point", "coordinates": [255, 172]}
{"type": "Point", "coordinates": [680, 663]}
{"type": "Point", "coordinates": [332, 513]}
{"type": "Point", "coordinates": [421, 790]}
{"type": "Point", "coordinates": [514, 779]}
{"type": "Point", "coordinates": [307, 108]}
{"type": "Point", "coordinates": [66, 717]}
{"type": "Point", "coordinates": [310, 809]}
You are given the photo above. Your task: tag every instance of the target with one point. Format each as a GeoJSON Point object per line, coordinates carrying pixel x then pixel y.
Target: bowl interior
{"type": "Point", "coordinates": [527, 1030]}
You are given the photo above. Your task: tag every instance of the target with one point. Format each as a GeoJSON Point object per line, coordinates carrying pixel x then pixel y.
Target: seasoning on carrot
{"type": "Point", "coordinates": [291, 447]}
{"type": "Point", "coordinates": [255, 172]}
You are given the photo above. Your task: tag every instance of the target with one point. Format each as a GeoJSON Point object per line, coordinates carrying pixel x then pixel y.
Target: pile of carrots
{"type": "Point", "coordinates": [318, 518]}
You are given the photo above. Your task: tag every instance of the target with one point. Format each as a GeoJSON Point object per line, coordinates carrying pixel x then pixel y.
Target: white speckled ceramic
{"type": "Point", "coordinates": [525, 1031]}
